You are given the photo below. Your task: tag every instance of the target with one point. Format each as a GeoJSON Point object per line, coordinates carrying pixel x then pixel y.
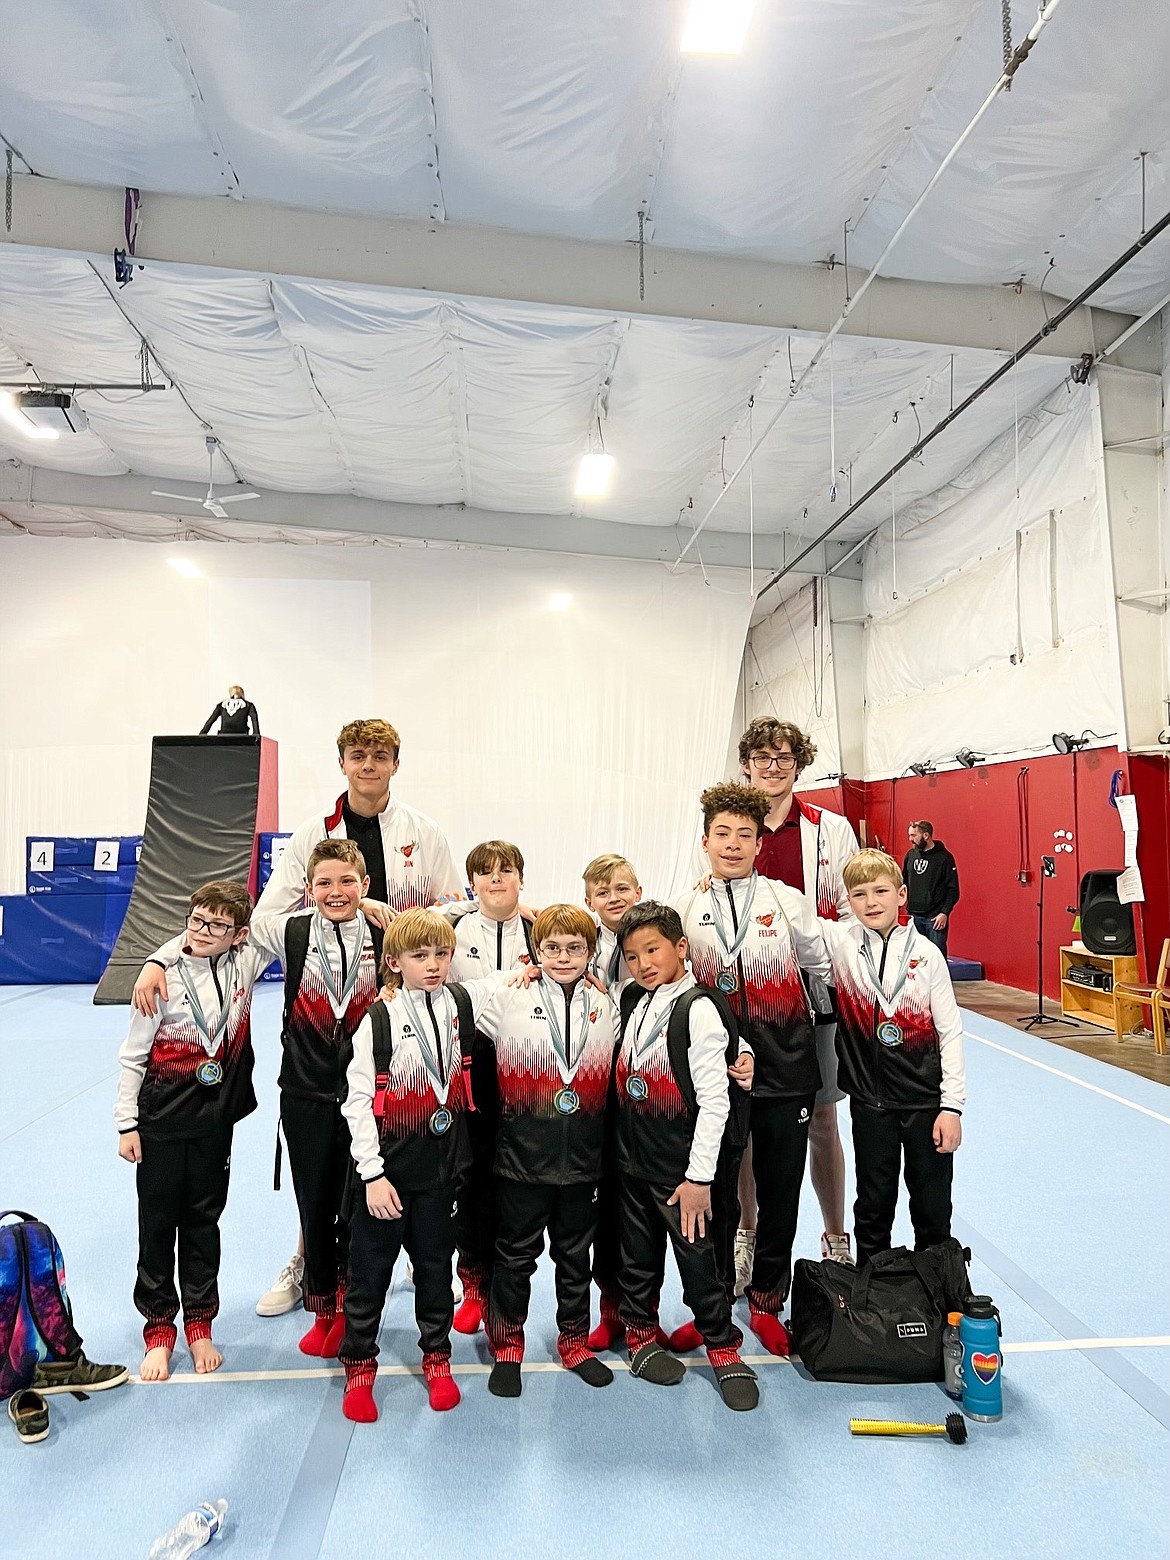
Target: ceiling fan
{"type": "Point", "coordinates": [212, 504]}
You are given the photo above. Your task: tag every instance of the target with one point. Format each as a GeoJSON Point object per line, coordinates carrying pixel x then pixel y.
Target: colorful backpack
{"type": "Point", "coordinates": [36, 1319]}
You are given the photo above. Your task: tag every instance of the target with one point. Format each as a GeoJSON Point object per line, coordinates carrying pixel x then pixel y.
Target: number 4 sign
{"type": "Point", "coordinates": [40, 855]}
{"type": "Point", "coordinates": [105, 855]}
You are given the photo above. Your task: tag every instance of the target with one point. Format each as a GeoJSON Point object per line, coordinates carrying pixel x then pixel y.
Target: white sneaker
{"type": "Point", "coordinates": [285, 1294]}
{"type": "Point", "coordinates": [835, 1248]}
{"type": "Point", "coordinates": [745, 1259]}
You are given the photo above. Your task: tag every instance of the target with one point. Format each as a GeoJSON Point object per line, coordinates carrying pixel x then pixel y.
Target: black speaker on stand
{"type": "Point", "coordinates": [1047, 870]}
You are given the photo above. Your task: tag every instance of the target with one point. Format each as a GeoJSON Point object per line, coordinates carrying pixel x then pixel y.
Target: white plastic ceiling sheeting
{"type": "Point", "coordinates": [335, 388]}
{"type": "Point", "coordinates": [548, 116]}
{"type": "Point", "coordinates": [977, 640]}
{"type": "Point", "coordinates": [788, 673]}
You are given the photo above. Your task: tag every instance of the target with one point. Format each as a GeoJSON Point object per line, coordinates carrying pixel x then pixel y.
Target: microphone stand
{"type": "Point", "coordinates": [1034, 1020]}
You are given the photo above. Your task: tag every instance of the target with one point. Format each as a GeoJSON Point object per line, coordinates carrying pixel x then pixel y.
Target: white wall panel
{"type": "Point", "coordinates": [573, 732]}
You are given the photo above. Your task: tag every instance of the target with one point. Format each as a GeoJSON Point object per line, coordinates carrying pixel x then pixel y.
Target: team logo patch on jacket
{"type": "Point", "coordinates": [408, 850]}
{"type": "Point", "coordinates": [766, 920]}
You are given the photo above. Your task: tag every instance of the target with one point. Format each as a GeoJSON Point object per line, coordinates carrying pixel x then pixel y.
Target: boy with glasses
{"type": "Point", "coordinates": [185, 1080]}
{"type": "Point", "coordinates": [807, 848]}
{"type": "Point", "coordinates": [552, 1046]}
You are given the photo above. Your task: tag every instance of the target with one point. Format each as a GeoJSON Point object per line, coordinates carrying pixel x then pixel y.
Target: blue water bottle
{"type": "Point", "coordinates": [979, 1333]}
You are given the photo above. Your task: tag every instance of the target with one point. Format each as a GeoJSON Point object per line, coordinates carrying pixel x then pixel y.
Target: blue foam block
{"type": "Point", "coordinates": [56, 864]}
{"type": "Point", "coordinates": [964, 969]}
{"type": "Point", "coordinates": [57, 938]}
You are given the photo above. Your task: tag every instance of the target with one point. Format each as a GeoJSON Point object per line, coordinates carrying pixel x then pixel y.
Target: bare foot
{"type": "Point", "coordinates": [206, 1356]}
{"type": "Point", "coordinates": [156, 1365]}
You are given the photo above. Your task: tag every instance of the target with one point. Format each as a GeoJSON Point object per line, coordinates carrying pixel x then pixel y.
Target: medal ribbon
{"type": "Point", "coordinates": [563, 1044]}
{"type": "Point", "coordinates": [888, 1004]}
{"type": "Point", "coordinates": [732, 948]}
{"type": "Point", "coordinates": [441, 1074]}
{"type": "Point", "coordinates": [325, 935]}
{"type": "Point", "coordinates": [642, 1047]}
{"type": "Point", "coordinates": [211, 1037]}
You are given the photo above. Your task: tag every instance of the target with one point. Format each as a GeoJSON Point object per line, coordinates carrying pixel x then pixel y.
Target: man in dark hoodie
{"type": "Point", "coordinates": [932, 879]}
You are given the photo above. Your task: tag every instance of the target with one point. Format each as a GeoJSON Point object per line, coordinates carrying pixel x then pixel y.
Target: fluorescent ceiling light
{"type": "Point", "coordinates": [593, 476]}
{"type": "Point", "coordinates": [12, 414]}
{"type": "Point", "coordinates": [184, 566]}
{"type": "Point", "coordinates": [560, 601]}
{"type": "Point", "coordinates": [716, 26]}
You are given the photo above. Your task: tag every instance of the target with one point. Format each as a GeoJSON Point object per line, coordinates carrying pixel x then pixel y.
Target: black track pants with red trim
{"type": "Point", "coordinates": [182, 1189]}
{"type": "Point", "coordinates": [647, 1222]}
{"type": "Point", "coordinates": [319, 1159]}
{"type": "Point", "coordinates": [526, 1211]}
{"type": "Point", "coordinates": [427, 1230]}
{"type": "Point", "coordinates": [476, 1215]}
{"type": "Point", "coordinates": [779, 1131]}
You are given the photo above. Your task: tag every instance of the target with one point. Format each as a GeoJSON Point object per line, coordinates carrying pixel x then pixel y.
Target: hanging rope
{"type": "Point", "coordinates": [832, 432]}
{"type": "Point", "coordinates": [1007, 39]}
{"type": "Point", "coordinates": [893, 540]}
{"type": "Point", "coordinates": [642, 254]}
{"type": "Point", "coordinates": [8, 190]}
{"type": "Point", "coordinates": [751, 510]}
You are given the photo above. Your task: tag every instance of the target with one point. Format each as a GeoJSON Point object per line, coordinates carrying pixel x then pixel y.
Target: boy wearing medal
{"type": "Point", "coordinates": [900, 1050]}
{"type": "Point", "coordinates": [490, 936]}
{"type": "Point", "coordinates": [611, 887]}
{"type": "Point", "coordinates": [185, 1080]}
{"type": "Point", "coordinates": [330, 956]}
{"type": "Point", "coordinates": [673, 1103]}
{"type": "Point", "coordinates": [758, 941]}
{"type": "Point", "coordinates": [552, 1046]}
{"type": "Point", "coordinates": [407, 1100]}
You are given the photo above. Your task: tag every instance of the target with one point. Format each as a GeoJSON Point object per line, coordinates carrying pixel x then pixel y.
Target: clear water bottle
{"type": "Point", "coordinates": [953, 1356]}
{"type": "Point", "coordinates": [197, 1528]}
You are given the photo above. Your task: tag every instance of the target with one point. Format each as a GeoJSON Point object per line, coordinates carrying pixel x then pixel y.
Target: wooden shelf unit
{"type": "Point", "coordinates": [1089, 1005]}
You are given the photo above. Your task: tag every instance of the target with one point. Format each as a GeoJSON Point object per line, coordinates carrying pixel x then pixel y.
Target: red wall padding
{"type": "Point", "coordinates": [975, 813]}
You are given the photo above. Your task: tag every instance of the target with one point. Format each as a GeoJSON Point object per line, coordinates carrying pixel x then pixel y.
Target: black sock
{"type": "Point", "coordinates": [504, 1380]}
{"type": "Point", "coordinates": [593, 1372]}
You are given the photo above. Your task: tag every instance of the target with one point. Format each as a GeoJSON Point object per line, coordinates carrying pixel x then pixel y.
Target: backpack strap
{"type": "Point", "coordinates": [631, 996]}
{"type": "Point", "coordinates": [383, 1038]}
{"type": "Point", "coordinates": [678, 1038]}
{"type": "Point", "coordinates": [296, 951]}
{"type": "Point", "coordinates": [466, 1014]}
{"type": "Point", "coordinates": [526, 927]}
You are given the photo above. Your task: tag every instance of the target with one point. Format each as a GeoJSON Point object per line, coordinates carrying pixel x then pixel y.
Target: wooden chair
{"type": "Point", "coordinates": [1155, 997]}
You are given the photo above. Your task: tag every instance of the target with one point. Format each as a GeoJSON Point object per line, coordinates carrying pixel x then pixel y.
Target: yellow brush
{"type": "Point", "coordinates": [955, 1428]}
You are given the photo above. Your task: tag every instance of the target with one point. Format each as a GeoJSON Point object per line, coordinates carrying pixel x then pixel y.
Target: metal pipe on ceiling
{"type": "Point", "coordinates": [1005, 367]}
{"type": "Point", "coordinates": [1004, 80]}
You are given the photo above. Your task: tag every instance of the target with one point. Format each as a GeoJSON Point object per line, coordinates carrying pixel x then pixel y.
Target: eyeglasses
{"type": "Point", "coordinates": [773, 760]}
{"type": "Point", "coordinates": [196, 923]}
{"type": "Point", "coordinates": [577, 950]}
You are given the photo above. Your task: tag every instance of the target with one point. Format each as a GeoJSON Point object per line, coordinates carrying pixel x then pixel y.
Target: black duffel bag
{"type": "Point", "coordinates": [882, 1322]}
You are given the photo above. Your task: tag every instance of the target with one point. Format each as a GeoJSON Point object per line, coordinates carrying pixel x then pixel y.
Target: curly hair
{"type": "Point", "coordinates": [742, 801]}
{"type": "Point", "coordinates": [767, 732]}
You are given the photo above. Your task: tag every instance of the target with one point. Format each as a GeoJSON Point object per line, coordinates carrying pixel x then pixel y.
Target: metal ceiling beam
{"type": "Point", "coordinates": [38, 486]}
{"type": "Point", "coordinates": [473, 262]}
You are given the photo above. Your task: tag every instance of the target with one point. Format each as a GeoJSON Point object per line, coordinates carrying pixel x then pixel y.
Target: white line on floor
{"type": "Point", "coordinates": [323, 1372]}
{"type": "Point", "coordinates": [1070, 1077]}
